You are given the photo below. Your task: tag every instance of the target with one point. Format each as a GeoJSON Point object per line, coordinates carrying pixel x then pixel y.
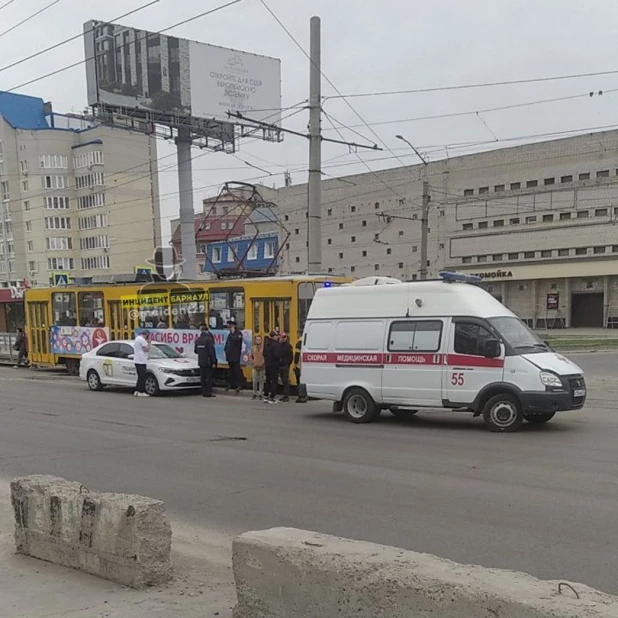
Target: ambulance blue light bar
{"type": "Point", "coordinates": [453, 277]}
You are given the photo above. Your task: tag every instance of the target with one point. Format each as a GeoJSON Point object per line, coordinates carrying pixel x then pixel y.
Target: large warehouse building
{"type": "Point", "coordinates": [537, 222]}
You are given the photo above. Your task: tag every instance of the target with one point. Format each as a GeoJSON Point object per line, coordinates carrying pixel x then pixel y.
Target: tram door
{"type": "Point", "coordinates": [122, 320]}
{"type": "Point", "coordinates": [271, 314]}
{"type": "Point", "coordinates": [38, 342]}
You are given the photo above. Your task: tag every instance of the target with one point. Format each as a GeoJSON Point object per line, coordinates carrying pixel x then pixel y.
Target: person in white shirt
{"type": "Point", "coordinates": [140, 358]}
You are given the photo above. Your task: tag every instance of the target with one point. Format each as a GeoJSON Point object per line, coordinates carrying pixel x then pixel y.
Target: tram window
{"type": "Point", "coordinates": [91, 309]}
{"type": "Point", "coordinates": [65, 311]}
{"type": "Point", "coordinates": [151, 316]}
{"type": "Point", "coordinates": [306, 292]}
{"type": "Point", "coordinates": [188, 308]}
{"type": "Point", "coordinates": [226, 305]}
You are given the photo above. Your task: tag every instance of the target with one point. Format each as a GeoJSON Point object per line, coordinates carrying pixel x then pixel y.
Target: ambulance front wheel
{"type": "Point", "coordinates": [359, 406]}
{"type": "Point", "coordinates": [503, 413]}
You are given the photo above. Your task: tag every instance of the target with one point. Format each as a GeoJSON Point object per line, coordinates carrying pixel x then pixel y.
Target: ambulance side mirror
{"type": "Point", "coordinates": [493, 349]}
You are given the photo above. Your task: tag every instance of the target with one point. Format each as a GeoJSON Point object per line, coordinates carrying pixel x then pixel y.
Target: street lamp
{"type": "Point", "coordinates": [424, 212]}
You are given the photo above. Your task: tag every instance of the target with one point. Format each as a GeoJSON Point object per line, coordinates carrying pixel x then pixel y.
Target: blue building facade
{"type": "Point", "coordinates": [258, 252]}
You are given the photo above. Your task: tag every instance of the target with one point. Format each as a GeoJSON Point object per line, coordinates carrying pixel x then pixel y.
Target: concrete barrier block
{"type": "Point", "coordinates": [288, 573]}
{"type": "Point", "coordinates": [123, 538]}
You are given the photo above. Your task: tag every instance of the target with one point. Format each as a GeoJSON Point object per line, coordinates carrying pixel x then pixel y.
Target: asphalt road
{"type": "Point", "coordinates": [544, 500]}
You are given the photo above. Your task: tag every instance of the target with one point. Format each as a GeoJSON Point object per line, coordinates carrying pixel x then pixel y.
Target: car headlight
{"type": "Point", "coordinates": [550, 379]}
{"type": "Point", "coordinates": [172, 371]}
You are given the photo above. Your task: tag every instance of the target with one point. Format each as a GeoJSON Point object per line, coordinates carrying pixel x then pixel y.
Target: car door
{"type": "Point", "coordinates": [412, 371]}
{"type": "Point", "coordinates": [467, 370]}
{"type": "Point", "coordinates": [124, 367]}
{"type": "Point", "coordinates": [104, 363]}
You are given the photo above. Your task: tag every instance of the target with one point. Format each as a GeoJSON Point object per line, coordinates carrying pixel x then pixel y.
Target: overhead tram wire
{"type": "Point", "coordinates": [32, 16]}
{"type": "Point", "coordinates": [295, 41]}
{"type": "Point", "coordinates": [75, 37]}
{"type": "Point", "coordinates": [80, 62]}
{"type": "Point", "coordinates": [6, 4]}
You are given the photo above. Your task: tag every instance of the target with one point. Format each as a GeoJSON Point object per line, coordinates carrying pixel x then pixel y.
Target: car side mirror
{"type": "Point", "coordinates": [131, 356]}
{"type": "Point", "coordinates": [492, 348]}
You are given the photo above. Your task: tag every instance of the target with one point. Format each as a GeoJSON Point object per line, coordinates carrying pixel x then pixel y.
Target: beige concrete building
{"type": "Point", "coordinates": [537, 222]}
{"type": "Point", "coordinates": [76, 198]}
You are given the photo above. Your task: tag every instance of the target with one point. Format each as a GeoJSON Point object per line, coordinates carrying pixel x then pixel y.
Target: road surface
{"type": "Point", "coordinates": [543, 500]}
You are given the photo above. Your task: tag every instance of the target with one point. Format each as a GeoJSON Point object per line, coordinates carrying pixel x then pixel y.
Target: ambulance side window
{"type": "Point", "coordinates": [470, 338]}
{"type": "Point", "coordinates": [417, 336]}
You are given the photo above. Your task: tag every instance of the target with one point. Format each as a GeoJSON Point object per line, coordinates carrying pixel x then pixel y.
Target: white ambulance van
{"type": "Point", "coordinates": [381, 344]}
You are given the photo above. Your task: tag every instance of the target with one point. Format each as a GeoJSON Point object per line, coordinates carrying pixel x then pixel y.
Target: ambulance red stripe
{"type": "Point", "coordinates": [371, 359]}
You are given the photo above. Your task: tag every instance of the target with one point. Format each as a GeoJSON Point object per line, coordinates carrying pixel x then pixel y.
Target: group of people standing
{"type": "Point", "coordinates": [271, 358]}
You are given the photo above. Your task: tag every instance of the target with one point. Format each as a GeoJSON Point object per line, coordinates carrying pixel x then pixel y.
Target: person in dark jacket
{"type": "Point", "coordinates": [285, 356]}
{"type": "Point", "coordinates": [233, 354]}
{"type": "Point", "coordinates": [207, 359]}
{"type": "Point", "coordinates": [271, 365]}
{"type": "Point", "coordinates": [21, 347]}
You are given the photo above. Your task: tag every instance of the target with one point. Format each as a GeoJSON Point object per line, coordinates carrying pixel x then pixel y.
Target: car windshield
{"type": "Point", "coordinates": [518, 335]}
{"type": "Point", "coordinates": [162, 350]}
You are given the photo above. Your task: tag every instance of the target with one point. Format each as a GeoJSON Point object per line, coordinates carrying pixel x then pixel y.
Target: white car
{"type": "Point", "coordinates": [111, 364]}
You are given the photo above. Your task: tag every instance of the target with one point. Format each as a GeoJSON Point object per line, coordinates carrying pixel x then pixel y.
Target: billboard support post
{"type": "Point", "coordinates": [185, 193]}
{"type": "Point", "coordinates": [314, 228]}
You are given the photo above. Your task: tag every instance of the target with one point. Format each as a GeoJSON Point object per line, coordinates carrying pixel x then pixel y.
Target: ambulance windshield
{"type": "Point", "coordinates": [518, 335]}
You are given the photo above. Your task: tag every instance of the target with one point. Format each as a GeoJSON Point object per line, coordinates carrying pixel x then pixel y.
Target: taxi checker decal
{"type": "Point", "coordinates": [378, 359]}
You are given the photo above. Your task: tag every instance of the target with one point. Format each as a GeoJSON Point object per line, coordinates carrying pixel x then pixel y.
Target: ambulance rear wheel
{"type": "Point", "coordinates": [402, 414]}
{"type": "Point", "coordinates": [359, 406]}
{"type": "Point", "coordinates": [502, 413]}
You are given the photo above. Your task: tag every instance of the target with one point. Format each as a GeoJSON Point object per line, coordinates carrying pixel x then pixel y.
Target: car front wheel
{"type": "Point", "coordinates": [94, 381]}
{"type": "Point", "coordinates": [151, 386]}
{"type": "Point", "coordinates": [502, 413]}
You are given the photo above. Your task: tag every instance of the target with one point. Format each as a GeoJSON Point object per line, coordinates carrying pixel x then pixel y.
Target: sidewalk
{"type": "Point", "coordinates": [203, 584]}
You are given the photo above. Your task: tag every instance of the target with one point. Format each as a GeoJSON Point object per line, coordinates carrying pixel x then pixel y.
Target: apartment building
{"type": "Point", "coordinates": [75, 196]}
{"type": "Point", "coordinates": [537, 222]}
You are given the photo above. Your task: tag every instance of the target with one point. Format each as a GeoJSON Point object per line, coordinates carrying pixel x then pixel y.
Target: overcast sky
{"type": "Point", "coordinates": [367, 46]}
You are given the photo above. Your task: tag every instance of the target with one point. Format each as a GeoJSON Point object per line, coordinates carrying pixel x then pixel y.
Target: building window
{"type": "Point", "coordinates": [566, 179]}
{"type": "Point", "coordinates": [546, 253]}
{"type": "Point", "coordinates": [32, 266]}
{"type": "Point", "coordinates": [97, 262]}
{"type": "Point", "coordinates": [60, 263]}
{"type": "Point", "coordinates": [481, 258]}
{"type": "Point", "coordinates": [466, 260]}
{"type": "Point", "coordinates": [57, 203]}
{"type": "Point", "coordinates": [531, 219]}
{"type": "Point", "coordinates": [89, 181]}
{"type": "Point", "coordinates": [585, 176]}
{"type": "Point", "coordinates": [497, 257]}
{"type": "Point", "coordinates": [548, 218]}
{"type": "Point", "coordinates": [400, 233]}
{"type": "Point", "coordinates": [353, 269]}
{"type": "Point", "coordinates": [217, 255]}
{"type": "Point", "coordinates": [615, 249]}
{"type": "Point", "coordinates": [531, 184]}
{"type": "Point", "coordinates": [28, 226]}
{"type": "Point", "coordinates": [352, 238]}
{"type": "Point", "coordinates": [57, 223]}
{"type": "Point", "coordinates": [252, 254]}
{"type": "Point", "coordinates": [54, 182]}
{"type": "Point", "coordinates": [483, 190]}
{"type": "Point", "coordinates": [54, 161]}
{"type": "Point", "coordinates": [549, 181]}
{"type": "Point", "coordinates": [376, 205]}
{"type": "Point", "coordinates": [364, 223]}
{"type": "Point", "coordinates": [514, 221]}
{"type": "Point", "coordinates": [92, 222]}
{"type": "Point", "coordinates": [352, 208]}
{"type": "Point", "coordinates": [296, 231]}
{"type": "Point", "coordinates": [341, 256]}
{"type": "Point", "coordinates": [400, 265]}
{"type": "Point", "coordinates": [286, 217]}
{"type": "Point", "coordinates": [513, 256]}
{"type": "Point", "coordinates": [565, 216]}
{"type": "Point", "coordinates": [583, 214]}
{"type": "Point", "coordinates": [23, 166]}
{"type": "Point", "coordinates": [389, 251]}
{"type": "Point", "coordinates": [603, 174]}
{"type": "Point", "coordinates": [329, 212]}
{"type": "Point", "coordinates": [483, 225]}
{"type": "Point", "coordinates": [329, 241]}
{"type": "Point", "coordinates": [30, 245]}
{"type": "Point", "coordinates": [88, 159]}
{"type": "Point", "coordinates": [269, 249]}
{"type": "Point", "coordinates": [27, 205]}
{"type": "Point", "coordinates": [364, 254]}
{"type": "Point", "coordinates": [468, 226]}
{"type": "Point", "coordinates": [297, 260]}
{"type": "Point", "coordinates": [468, 192]}
{"type": "Point", "coordinates": [529, 255]}
{"type": "Point", "coordinates": [601, 212]}
{"type": "Point", "coordinates": [63, 243]}
{"type": "Point", "coordinates": [598, 250]}
{"type": "Point", "coordinates": [499, 223]}
{"type": "Point", "coordinates": [341, 226]}
{"type": "Point", "coordinates": [4, 190]}
{"type": "Point", "coordinates": [563, 252]}
{"type": "Point", "coordinates": [515, 186]}
{"type": "Point", "coordinates": [414, 248]}
{"type": "Point", "coordinates": [581, 251]}
{"type": "Point", "coordinates": [376, 267]}
{"type": "Point", "coordinates": [499, 188]}
{"type": "Point", "coordinates": [25, 186]}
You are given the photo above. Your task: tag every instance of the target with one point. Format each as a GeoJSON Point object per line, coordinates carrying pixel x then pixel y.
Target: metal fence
{"type": "Point", "coordinates": [7, 340]}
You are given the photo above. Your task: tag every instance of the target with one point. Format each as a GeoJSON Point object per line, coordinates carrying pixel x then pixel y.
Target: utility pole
{"type": "Point", "coordinates": [424, 211]}
{"type": "Point", "coordinates": [424, 229]}
{"type": "Point", "coordinates": [314, 225]}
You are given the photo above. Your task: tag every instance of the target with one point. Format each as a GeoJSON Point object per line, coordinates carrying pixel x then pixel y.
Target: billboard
{"type": "Point", "coordinates": [137, 69]}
